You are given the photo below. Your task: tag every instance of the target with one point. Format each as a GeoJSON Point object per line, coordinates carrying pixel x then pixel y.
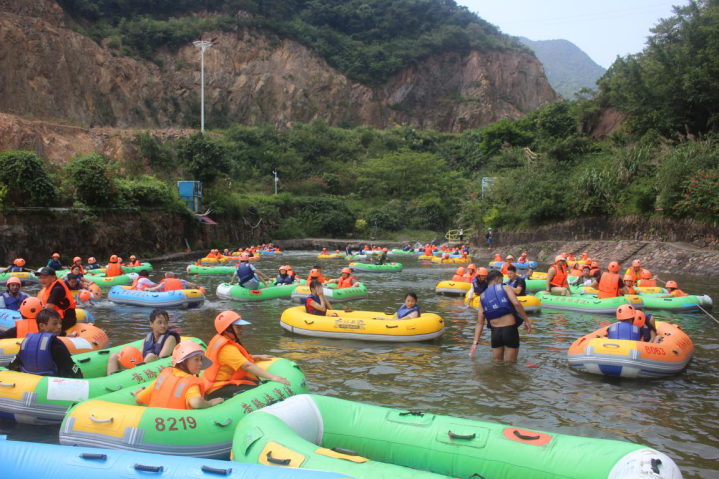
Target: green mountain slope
{"type": "Point", "coordinates": [568, 68]}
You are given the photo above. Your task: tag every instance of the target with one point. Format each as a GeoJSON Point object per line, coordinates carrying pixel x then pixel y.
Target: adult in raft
{"type": "Point", "coordinates": [611, 284]}
{"type": "Point", "coordinates": [114, 268]}
{"type": "Point", "coordinates": [346, 280]}
{"type": "Point", "coordinates": [557, 277]}
{"type": "Point", "coordinates": [42, 353]}
{"type": "Point", "coordinates": [12, 297]}
{"type": "Point", "coordinates": [246, 274]}
{"type": "Point", "coordinates": [92, 264]}
{"type": "Point", "coordinates": [55, 262]}
{"type": "Point", "coordinates": [170, 283]}
{"type": "Point", "coordinates": [17, 266]}
{"type": "Point", "coordinates": [516, 282]}
{"type": "Point", "coordinates": [56, 295]}
{"type": "Point", "coordinates": [503, 312]}
{"type": "Point", "coordinates": [284, 276]}
{"type": "Point", "coordinates": [635, 271]}
{"type": "Point", "coordinates": [134, 261]}
{"type": "Point", "coordinates": [233, 369]}
{"type": "Point", "coordinates": [179, 387]}
{"type": "Point", "coordinates": [382, 258]}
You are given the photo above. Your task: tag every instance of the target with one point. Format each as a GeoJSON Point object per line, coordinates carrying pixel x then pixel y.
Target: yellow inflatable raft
{"type": "Point", "coordinates": [452, 288]}
{"type": "Point", "coordinates": [440, 260]}
{"type": "Point", "coordinates": [363, 325]}
{"type": "Point", "coordinates": [531, 304]}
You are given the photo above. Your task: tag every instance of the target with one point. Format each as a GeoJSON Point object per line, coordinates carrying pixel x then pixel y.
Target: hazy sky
{"type": "Point", "coordinates": [603, 29]}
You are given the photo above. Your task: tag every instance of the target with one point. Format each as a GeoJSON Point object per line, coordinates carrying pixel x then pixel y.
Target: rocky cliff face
{"type": "Point", "coordinates": [50, 72]}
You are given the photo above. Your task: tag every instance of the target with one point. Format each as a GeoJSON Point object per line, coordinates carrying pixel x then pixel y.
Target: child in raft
{"type": "Point", "coordinates": [633, 325]}
{"type": "Point", "coordinates": [317, 304]}
{"type": "Point", "coordinates": [179, 387]}
{"type": "Point", "coordinates": [159, 343]}
{"type": "Point", "coordinates": [409, 310]}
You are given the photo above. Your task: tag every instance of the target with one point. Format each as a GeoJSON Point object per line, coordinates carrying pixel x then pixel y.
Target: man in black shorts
{"type": "Point", "coordinates": [504, 314]}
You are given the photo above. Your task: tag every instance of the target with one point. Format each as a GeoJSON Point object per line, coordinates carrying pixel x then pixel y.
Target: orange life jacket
{"type": "Point", "coordinates": [592, 271]}
{"type": "Point", "coordinates": [467, 278]}
{"type": "Point", "coordinates": [170, 390]}
{"type": "Point", "coordinates": [497, 258]}
{"type": "Point", "coordinates": [647, 283]}
{"type": "Point", "coordinates": [113, 269]}
{"type": "Point", "coordinates": [608, 286]}
{"type": "Point", "coordinates": [213, 354]}
{"type": "Point", "coordinates": [172, 284]}
{"type": "Point", "coordinates": [571, 258]}
{"type": "Point", "coordinates": [634, 274]}
{"type": "Point", "coordinates": [630, 289]}
{"type": "Point", "coordinates": [505, 267]}
{"type": "Point", "coordinates": [25, 327]}
{"type": "Point", "coordinates": [457, 278]}
{"type": "Point", "coordinates": [678, 293]}
{"type": "Point", "coordinates": [137, 286]}
{"type": "Point", "coordinates": [82, 270]}
{"type": "Point", "coordinates": [560, 278]}
{"type": "Point", "coordinates": [585, 256]}
{"type": "Point", "coordinates": [345, 283]}
{"type": "Point", "coordinates": [135, 263]}
{"type": "Point", "coordinates": [428, 251]}
{"type": "Point", "coordinates": [45, 295]}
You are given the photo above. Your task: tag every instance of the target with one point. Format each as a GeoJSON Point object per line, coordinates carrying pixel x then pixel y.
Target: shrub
{"type": "Point", "coordinates": [27, 180]}
{"type": "Point", "coordinates": [700, 196]}
{"type": "Point", "coordinates": [90, 181]}
{"type": "Point", "coordinates": [147, 191]}
{"type": "Point", "coordinates": [204, 158]}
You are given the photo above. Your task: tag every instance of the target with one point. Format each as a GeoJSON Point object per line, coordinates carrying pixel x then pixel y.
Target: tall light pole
{"type": "Point", "coordinates": [203, 45]}
{"type": "Point", "coordinates": [277, 180]}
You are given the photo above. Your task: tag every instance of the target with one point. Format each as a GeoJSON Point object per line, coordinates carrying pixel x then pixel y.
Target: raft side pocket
{"type": "Point", "coordinates": [252, 437]}
{"type": "Point", "coordinates": [275, 454]}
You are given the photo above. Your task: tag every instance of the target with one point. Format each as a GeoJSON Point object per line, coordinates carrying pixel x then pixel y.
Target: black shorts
{"type": "Point", "coordinates": [227, 392]}
{"type": "Point", "coordinates": [506, 337]}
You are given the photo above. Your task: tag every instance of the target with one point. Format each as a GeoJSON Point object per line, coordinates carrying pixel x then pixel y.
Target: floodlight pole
{"type": "Point", "coordinates": [203, 45]}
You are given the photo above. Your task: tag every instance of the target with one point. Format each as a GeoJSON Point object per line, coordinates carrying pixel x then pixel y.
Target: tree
{"type": "Point", "coordinates": [203, 158]}
{"type": "Point", "coordinates": [26, 179]}
{"type": "Point", "coordinates": [89, 179]}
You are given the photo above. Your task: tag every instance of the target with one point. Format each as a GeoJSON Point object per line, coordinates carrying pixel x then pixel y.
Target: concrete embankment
{"type": "Point", "coordinates": [316, 244]}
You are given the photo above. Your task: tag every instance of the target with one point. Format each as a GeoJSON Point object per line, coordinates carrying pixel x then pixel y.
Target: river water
{"type": "Point", "coordinates": [677, 415]}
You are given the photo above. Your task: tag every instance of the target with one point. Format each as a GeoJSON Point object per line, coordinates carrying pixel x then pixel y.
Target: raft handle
{"type": "Point", "coordinates": [104, 351]}
{"type": "Point", "coordinates": [460, 436]}
{"type": "Point", "coordinates": [610, 345]}
{"type": "Point", "coordinates": [279, 462]}
{"type": "Point", "coordinates": [227, 423]}
{"type": "Point", "coordinates": [391, 327]}
{"type": "Point", "coordinates": [412, 413]}
{"type": "Point", "coordinates": [675, 351]}
{"type": "Point", "coordinates": [100, 421]}
{"type": "Point", "coordinates": [477, 475]}
{"type": "Point", "coordinates": [90, 455]}
{"type": "Point", "coordinates": [347, 452]}
{"type": "Point", "coordinates": [309, 322]}
{"type": "Point", "coordinates": [215, 470]}
{"type": "Point", "coordinates": [119, 386]}
{"type": "Point", "coordinates": [142, 467]}
{"type": "Point", "coordinates": [525, 438]}
{"type": "Point", "coordinates": [7, 385]}
{"type": "Point", "coordinates": [655, 465]}
{"type": "Point", "coordinates": [84, 360]}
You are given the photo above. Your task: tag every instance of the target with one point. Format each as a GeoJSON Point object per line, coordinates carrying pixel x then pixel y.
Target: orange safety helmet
{"type": "Point", "coordinates": [640, 319]}
{"type": "Point", "coordinates": [314, 273]}
{"type": "Point", "coordinates": [346, 270]}
{"type": "Point", "coordinates": [626, 311]}
{"type": "Point", "coordinates": [76, 259]}
{"type": "Point", "coordinates": [460, 271]}
{"type": "Point", "coordinates": [281, 268]}
{"type": "Point", "coordinates": [130, 357]}
{"type": "Point", "coordinates": [672, 284]}
{"type": "Point", "coordinates": [472, 267]}
{"type": "Point", "coordinates": [226, 319]}
{"type": "Point", "coordinates": [187, 349]}
{"type": "Point", "coordinates": [637, 263]}
{"type": "Point", "coordinates": [482, 272]}
{"type": "Point", "coordinates": [646, 274]}
{"type": "Point", "coordinates": [384, 250]}
{"type": "Point", "coordinates": [113, 258]}
{"type": "Point", "coordinates": [628, 278]}
{"type": "Point", "coordinates": [13, 280]}
{"type": "Point", "coordinates": [30, 307]}
{"type": "Point", "coordinates": [19, 262]}
{"type": "Point", "coordinates": [613, 267]}
{"type": "Point", "coordinates": [559, 258]}
{"type": "Point", "coordinates": [91, 260]}
{"type": "Point", "coordinates": [56, 255]}
{"type": "Point", "coordinates": [595, 264]}
{"type": "Point", "coordinates": [132, 256]}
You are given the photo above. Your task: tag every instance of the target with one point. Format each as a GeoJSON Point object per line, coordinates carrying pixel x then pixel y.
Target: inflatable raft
{"type": "Point", "coordinates": [596, 354]}
{"type": "Point", "coordinates": [8, 318]}
{"type": "Point", "coordinates": [500, 265]}
{"type": "Point", "coordinates": [402, 252]}
{"type": "Point", "coordinates": [211, 270]}
{"type": "Point", "coordinates": [331, 256]}
{"type": "Point", "coordinates": [26, 459]}
{"type": "Point", "coordinates": [40, 400]}
{"type": "Point", "coordinates": [451, 260]}
{"type": "Point", "coordinates": [531, 304]}
{"type": "Point", "coordinates": [452, 288]}
{"type": "Point", "coordinates": [236, 292]}
{"type": "Point", "coordinates": [683, 304]}
{"type": "Point", "coordinates": [105, 282]}
{"type": "Point", "coordinates": [424, 257]}
{"type": "Point", "coordinates": [371, 442]}
{"type": "Point", "coordinates": [116, 421]}
{"type": "Point", "coordinates": [376, 268]}
{"type": "Point", "coordinates": [25, 278]}
{"type": "Point", "coordinates": [136, 269]}
{"type": "Point", "coordinates": [335, 295]}
{"type": "Point", "coordinates": [89, 338]}
{"type": "Point", "coordinates": [587, 304]}
{"type": "Point", "coordinates": [363, 325]}
{"type": "Point", "coordinates": [182, 299]}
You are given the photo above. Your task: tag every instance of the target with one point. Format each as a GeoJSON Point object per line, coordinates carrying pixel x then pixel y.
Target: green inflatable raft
{"type": "Point", "coordinates": [105, 282]}
{"type": "Point", "coordinates": [211, 270]}
{"type": "Point", "coordinates": [587, 304]}
{"type": "Point", "coordinates": [403, 252]}
{"type": "Point", "coordinates": [24, 277]}
{"type": "Point", "coordinates": [136, 269]}
{"type": "Point", "coordinates": [683, 304]}
{"type": "Point", "coordinates": [236, 292]}
{"type": "Point", "coordinates": [116, 421]}
{"type": "Point", "coordinates": [41, 400]}
{"type": "Point", "coordinates": [334, 294]}
{"type": "Point", "coordinates": [371, 442]}
{"type": "Point", "coordinates": [377, 268]}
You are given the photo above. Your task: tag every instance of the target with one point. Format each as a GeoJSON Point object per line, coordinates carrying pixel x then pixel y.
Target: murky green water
{"type": "Point", "coordinates": [676, 415]}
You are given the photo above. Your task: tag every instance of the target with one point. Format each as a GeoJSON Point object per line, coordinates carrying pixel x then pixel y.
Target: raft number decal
{"type": "Point", "coordinates": [653, 350]}
{"type": "Point", "coordinates": [187, 423]}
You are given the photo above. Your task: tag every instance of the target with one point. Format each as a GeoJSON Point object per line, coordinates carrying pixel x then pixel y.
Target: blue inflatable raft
{"type": "Point", "coordinates": [8, 318]}
{"type": "Point", "coordinates": [29, 459]}
{"type": "Point", "coordinates": [181, 299]}
{"type": "Point", "coordinates": [500, 264]}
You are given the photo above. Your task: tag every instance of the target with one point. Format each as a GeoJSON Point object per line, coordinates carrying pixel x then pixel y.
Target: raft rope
{"type": "Point", "coordinates": [697, 305]}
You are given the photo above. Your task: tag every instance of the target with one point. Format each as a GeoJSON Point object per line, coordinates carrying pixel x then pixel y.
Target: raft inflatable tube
{"type": "Point", "coordinates": [8, 318]}
{"type": "Point", "coordinates": [533, 285]}
{"type": "Point", "coordinates": [211, 270]}
{"type": "Point", "coordinates": [24, 277]}
{"type": "Point", "coordinates": [372, 442]}
{"type": "Point", "coordinates": [587, 304]}
{"type": "Point", "coordinates": [236, 292]}
{"type": "Point", "coordinates": [136, 269]}
{"type": "Point", "coordinates": [376, 268]}
{"type": "Point", "coordinates": [116, 421]}
{"type": "Point", "coordinates": [42, 400]}
{"type": "Point", "coordinates": [452, 288]}
{"type": "Point", "coordinates": [596, 354]}
{"type": "Point", "coordinates": [683, 304]}
{"type": "Point", "coordinates": [331, 256]}
{"type": "Point", "coordinates": [451, 260]}
{"type": "Point", "coordinates": [334, 294]}
{"type": "Point", "coordinates": [105, 282]}
{"type": "Point", "coordinates": [89, 338]}
{"type": "Point", "coordinates": [424, 257]}
{"type": "Point", "coordinates": [363, 325]}
{"type": "Point", "coordinates": [27, 459]}
{"type": "Point", "coordinates": [402, 252]}
{"type": "Point", "coordinates": [180, 299]}
{"type": "Point", "coordinates": [531, 304]}
{"type": "Point", "coordinates": [500, 265]}
{"type": "Point", "coordinates": [356, 257]}
{"type": "Point", "coordinates": [95, 291]}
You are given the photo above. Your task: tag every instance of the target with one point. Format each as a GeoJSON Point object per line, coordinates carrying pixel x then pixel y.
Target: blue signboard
{"type": "Point", "coordinates": [190, 193]}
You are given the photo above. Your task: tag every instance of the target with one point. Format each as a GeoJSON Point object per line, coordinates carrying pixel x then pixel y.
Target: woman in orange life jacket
{"type": "Point", "coordinates": [585, 256]}
{"type": "Point", "coordinates": [469, 275]}
{"type": "Point", "coordinates": [134, 261]}
{"type": "Point", "coordinates": [233, 369]}
{"type": "Point", "coordinates": [557, 277]}
{"type": "Point", "coordinates": [179, 387]}
{"type": "Point", "coordinates": [497, 258]}
{"type": "Point", "coordinates": [346, 280]}
{"type": "Point", "coordinates": [459, 275]}
{"type": "Point", "coordinates": [170, 283]}
{"type": "Point", "coordinates": [674, 290]}
{"type": "Point", "coordinates": [522, 258]}
{"type": "Point", "coordinates": [635, 271]}
{"type": "Point", "coordinates": [114, 268]}
{"type": "Point", "coordinates": [611, 284]}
